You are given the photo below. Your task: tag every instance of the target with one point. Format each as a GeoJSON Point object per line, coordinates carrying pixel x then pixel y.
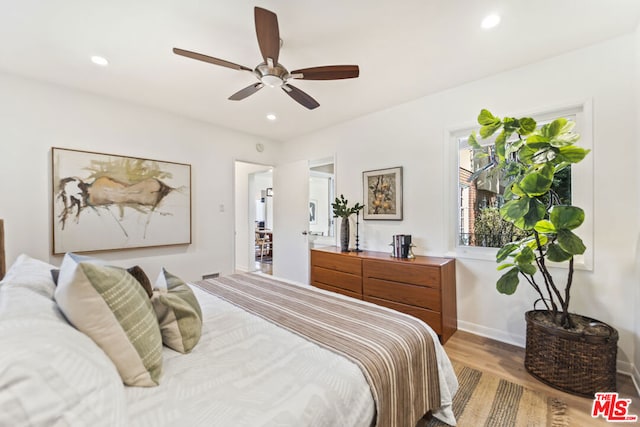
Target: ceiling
{"type": "Point", "coordinates": [406, 49]}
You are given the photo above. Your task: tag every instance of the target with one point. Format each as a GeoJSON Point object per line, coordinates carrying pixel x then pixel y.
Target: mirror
{"type": "Point", "coordinates": [321, 194]}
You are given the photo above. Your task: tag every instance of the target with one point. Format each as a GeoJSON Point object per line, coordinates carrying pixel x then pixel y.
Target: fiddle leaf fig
{"type": "Point", "coordinates": [545, 226]}
{"type": "Point", "coordinates": [526, 256]}
{"type": "Point", "coordinates": [566, 217]}
{"type": "Point", "coordinates": [570, 243]}
{"type": "Point", "coordinates": [535, 184]}
{"type": "Point", "coordinates": [554, 128]}
{"type": "Point", "coordinates": [556, 254]}
{"type": "Point", "coordinates": [571, 154]}
{"type": "Point", "coordinates": [537, 141]}
{"type": "Point", "coordinates": [529, 159]}
{"type": "Point", "coordinates": [486, 118]}
{"type": "Point", "coordinates": [473, 141]}
{"type": "Point", "coordinates": [536, 212]}
{"type": "Point", "coordinates": [508, 283]}
{"type": "Point", "coordinates": [527, 125]}
{"type": "Point", "coordinates": [529, 269]}
{"type": "Point", "coordinates": [505, 251]}
{"type": "Point", "coordinates": [514, 209]}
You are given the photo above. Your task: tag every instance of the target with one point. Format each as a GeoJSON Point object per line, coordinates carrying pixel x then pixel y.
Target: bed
{"type": "Point", "coordinates": [245, 370]}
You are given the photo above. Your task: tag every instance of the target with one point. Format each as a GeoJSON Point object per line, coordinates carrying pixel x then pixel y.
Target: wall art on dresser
{"type": "Point", "coordinates": [107, 202]}
{"type": "Point", "coordinates": [382, 190]}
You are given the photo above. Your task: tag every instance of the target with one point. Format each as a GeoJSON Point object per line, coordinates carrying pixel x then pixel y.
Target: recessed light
{"type": "Point", "coordinates": [271, 117]}
{"type": "Point", "coordinates": [490, 21]}
{"type": "Point", "coordinates": [99, 60]}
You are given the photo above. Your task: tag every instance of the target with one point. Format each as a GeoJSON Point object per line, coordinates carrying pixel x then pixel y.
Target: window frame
{"type": "Point", "coordinates": [581, 182]}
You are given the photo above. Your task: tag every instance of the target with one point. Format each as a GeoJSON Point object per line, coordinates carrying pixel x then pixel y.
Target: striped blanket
{"type": "Point", "coordinates": [394, 351]}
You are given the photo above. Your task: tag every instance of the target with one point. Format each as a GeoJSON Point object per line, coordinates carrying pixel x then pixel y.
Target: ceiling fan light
{"type": "Point", "coordinates": [271, 81]}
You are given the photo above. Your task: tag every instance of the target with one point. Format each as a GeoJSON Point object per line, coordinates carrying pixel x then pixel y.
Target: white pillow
{"type": "Point", "coordinates": [31, 273]}
{"type": "Point", "coordinates": [109, 305]}
{"type": "Point", "coordinates": [50, 373]}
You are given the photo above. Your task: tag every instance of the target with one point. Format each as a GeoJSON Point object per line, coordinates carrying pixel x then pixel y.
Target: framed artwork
{"type": "Point", "coordinates": [382, 190]}
{"type": "Point", "coordinates": [269, 192]}
{"type": "Point", "coordinates": [107, 202]}
{"type": "Point", "coordinates": [313, 206]}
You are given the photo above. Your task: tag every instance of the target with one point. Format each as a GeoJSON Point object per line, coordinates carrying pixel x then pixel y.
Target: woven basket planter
{"type": "Point", "coordinates": [579, 363]}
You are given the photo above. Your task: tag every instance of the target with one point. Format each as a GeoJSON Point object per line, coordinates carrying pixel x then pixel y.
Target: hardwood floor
{"type": "Point", "coordinates": [507, 361]}
{"type": "Point", "coordinates": [264, 267]}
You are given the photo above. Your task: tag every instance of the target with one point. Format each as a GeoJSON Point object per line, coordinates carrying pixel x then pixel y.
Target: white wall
{"type": "Point", "coordinates": [36, 116]}
{"type": "Point", "coordinates": [636, 372]}
{"type": "Point", "coordinates": [412, 135]}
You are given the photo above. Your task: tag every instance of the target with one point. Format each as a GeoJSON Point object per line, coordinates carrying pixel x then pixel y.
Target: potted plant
{"type": "Point", "coordinates": [341, 209]}
{"type": "Point", "coordinates": [568, 351]}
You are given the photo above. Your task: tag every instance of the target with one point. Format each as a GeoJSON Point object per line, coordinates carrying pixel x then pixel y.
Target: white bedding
{"type": "Point", "coordinates": [248, 372]}
{"type": "Point", "coordinates": [245, 371]}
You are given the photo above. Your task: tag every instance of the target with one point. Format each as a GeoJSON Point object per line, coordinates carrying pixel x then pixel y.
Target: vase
{"type": "Point", "coordinates": [344, 234]}
{"type": "Point", "coordinates": [580, 363]}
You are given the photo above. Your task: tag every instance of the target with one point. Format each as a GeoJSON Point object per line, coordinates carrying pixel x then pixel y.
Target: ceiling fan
{"type": "Point", "coordinates": [271, 72]}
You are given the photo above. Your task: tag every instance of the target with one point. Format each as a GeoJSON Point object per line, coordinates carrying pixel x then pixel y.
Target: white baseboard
{"type": "Point", "coordinates": [622, 367]}
{"type": "Point", "coordinates": [494, 334]}
{"type": "Point", "coordinates": [636, 379]}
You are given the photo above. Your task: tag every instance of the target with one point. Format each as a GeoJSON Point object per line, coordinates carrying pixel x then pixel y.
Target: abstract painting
{"type": "Point", "coordinates": [106, 202]}
{"type": "Point", "coordinates": [382, 190]}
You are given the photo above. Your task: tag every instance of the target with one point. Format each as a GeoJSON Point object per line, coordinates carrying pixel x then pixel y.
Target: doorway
{"type": "Point", "coordinates": [253, 217]}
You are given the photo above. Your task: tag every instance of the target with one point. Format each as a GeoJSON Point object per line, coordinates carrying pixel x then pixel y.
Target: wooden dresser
{"type": "Point", "coordinates": [424, 287]}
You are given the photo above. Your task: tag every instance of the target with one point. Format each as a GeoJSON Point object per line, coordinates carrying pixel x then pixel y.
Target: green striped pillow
{"type": "Point", "coordinates": [178, 312]}
{"type": "Point", "coordinates": [108, 305]}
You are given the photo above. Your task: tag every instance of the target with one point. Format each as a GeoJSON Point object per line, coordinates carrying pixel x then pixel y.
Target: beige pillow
{"type": "Point", "coordinates": [178, 312]}
{"type": "Point", "coordinates": [108, 305]}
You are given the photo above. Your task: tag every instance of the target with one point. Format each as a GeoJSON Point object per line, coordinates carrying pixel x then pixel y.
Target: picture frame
{"type": "Point", "coordinates": [103, 202]}
{"type": "Point", "coordinates": [269, 192]}
{"type": "Point", "coordinates": [382, 194]}
{"type": "Point", "coordinates": [313, 209]}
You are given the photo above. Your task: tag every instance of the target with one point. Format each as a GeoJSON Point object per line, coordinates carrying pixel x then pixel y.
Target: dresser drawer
{"type": "Point", "coordinates": [336, 279]}
{"type": "Point", "coordinates": [338, 290]}
{"type": "Point", "coordinates": [336, 262]}
{"type": "Point", "coordinates": [419, 296]}
{"type": "Point", "coordinates": [415, 274]}
{"type": "Point", "coordinates": [431, 318]}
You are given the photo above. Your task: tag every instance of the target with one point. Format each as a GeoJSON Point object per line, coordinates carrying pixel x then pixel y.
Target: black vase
{"type": "Point", "coordinates": [344, 234]}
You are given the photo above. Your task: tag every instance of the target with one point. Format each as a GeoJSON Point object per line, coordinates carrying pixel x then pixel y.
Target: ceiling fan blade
{"type": "Point", "coordinates": [210, 59]}
{"type": "Point", "coordinates": [249, 90]}
{"type": "Point", "coordinates": [327, 72]}
{"type": "Point", "coordinates": [300, 96]}
{"type": "Point", "coordinates": [268, 34]}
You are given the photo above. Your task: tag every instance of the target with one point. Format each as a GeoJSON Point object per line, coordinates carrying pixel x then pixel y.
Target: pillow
{"type": "Point", "coordinates": [142, 278]}
{"type": "Point", "coordinates": [136, 271]}
{"type": "Point", "coordinates": [31, 273]}
{"type": "Point", "coordinates": [178, 312]}
{"type": "Point", "coordinates": [108, 305]}
{"type": "Point", "coordinates": [52, 374]}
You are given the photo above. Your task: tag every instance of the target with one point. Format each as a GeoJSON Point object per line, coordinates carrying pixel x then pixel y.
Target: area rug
{"type": "Point", "coordinates": [486, 400]}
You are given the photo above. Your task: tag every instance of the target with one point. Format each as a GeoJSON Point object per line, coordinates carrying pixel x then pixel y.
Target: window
{"type": "Point", "coordinates": [481, 195]}
{"type": "Point", "coordinates": [477, 225]}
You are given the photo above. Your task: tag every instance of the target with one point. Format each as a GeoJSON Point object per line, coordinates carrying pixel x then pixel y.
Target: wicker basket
{"type": "Point", "coordinates": [577, 363]}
